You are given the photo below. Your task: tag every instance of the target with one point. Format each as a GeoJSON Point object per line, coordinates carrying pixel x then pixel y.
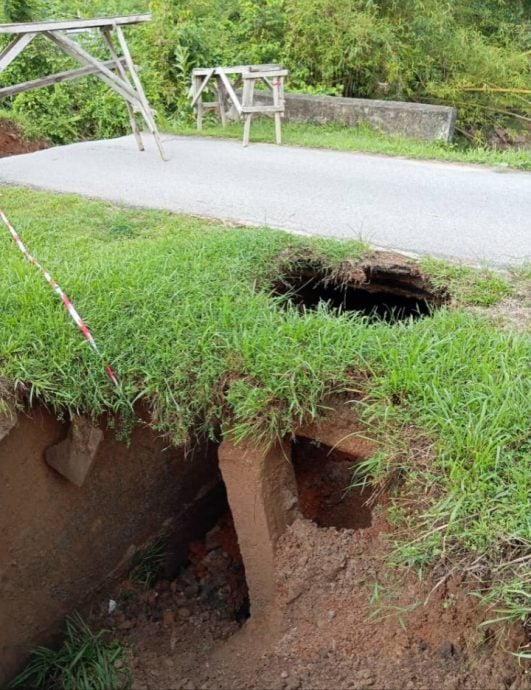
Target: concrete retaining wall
{"type": "Point", "coordinates": [414, 120]}
{"type": "Point", "coordinates": [60, 543]}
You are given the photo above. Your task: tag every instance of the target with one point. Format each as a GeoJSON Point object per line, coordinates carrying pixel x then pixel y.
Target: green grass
{"type": "Point", "coordinates": [19, 119]}
{"type": "Point", "coordinates": [182, 309]}
{"type": "Point", "coordinates": [482, 288]}
{"type": "Point", "coordinates": [85, 661]}
{"type": "Point", "coordinates": [365, 140]}
{"type": "Point", "coordinates": [147, 564]}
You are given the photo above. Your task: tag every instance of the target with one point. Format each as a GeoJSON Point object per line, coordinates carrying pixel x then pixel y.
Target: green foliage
{"type": "Point", "coordinates": [18, 10]}
{"type": "Point", "coordinates": [85, 661]}
{"type": "Point", "coordinates": [472, 55]}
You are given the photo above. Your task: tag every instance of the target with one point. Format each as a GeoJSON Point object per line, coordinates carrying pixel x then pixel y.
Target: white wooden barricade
{"type": "Point", "coordinates": [248, 75]}
{"type": "Point", "coordinates": [119, 72]}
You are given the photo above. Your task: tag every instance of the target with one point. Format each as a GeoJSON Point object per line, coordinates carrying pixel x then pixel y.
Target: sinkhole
{"type": "Point", "coordinates": [323, 476]}
{"type": "Point", "coordinates": [207, 575]}
{"type": "Point", "coordinates": [214, 571]}
{"type": "Point", "coordinates": [387, 288]}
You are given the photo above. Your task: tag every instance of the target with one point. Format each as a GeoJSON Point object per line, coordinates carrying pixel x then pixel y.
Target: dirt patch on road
{"type": "Point", "coordinates": [13, 141]}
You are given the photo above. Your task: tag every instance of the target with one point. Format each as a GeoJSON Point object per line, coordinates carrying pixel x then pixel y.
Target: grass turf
{"type": "Point", "coordinates": [363, 139]}
{"type": "Point", "coordinates": [182, 309]}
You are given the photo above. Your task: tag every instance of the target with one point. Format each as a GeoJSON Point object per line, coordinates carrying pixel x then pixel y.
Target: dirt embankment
{"type": "Point", "coordinates": [13, 141]}
{"type": "Point", "coordinates": [59, 543]}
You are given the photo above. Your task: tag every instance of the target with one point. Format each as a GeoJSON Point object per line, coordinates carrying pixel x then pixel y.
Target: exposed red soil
{"type": "Point", "coordinates": [322, 477]}
{"type": "Point", "coordinates": [343, 617]}
{"type": "Point", "coordinates": [13, 142]}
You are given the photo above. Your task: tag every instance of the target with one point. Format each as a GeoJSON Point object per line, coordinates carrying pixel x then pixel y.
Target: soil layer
{"type": "Point", "coordinates": [13, 142]}
{"type": "Point", "coordinates": [343, 620]}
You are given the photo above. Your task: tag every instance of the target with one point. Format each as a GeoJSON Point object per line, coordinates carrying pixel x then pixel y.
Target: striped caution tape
{"type": "Point", "coordinates": [64, 298]}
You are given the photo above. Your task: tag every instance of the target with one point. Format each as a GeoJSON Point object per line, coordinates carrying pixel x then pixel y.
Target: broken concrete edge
{"type": "Point", "coordinates": [74, 456]}
{"type": "Point", "coordinates": [263, 498]}
{"type": "Point", "coordinates": [262, 494]}
{"type": "Point", "coordinates": [423, 121]}
{"type": "Point", "coordinates": [340, 429]}
{"type": "Point", "coordinates": [376, 271]}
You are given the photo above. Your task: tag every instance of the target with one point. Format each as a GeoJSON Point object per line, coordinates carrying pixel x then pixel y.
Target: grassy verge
{"type": "Point", "coordinates": [182, 309]}
{"type": "Point", "coordinates": [365, 140]}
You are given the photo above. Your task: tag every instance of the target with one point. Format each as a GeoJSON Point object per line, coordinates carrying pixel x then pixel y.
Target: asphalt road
{"type": "Point", "coordinates": [476, 214]}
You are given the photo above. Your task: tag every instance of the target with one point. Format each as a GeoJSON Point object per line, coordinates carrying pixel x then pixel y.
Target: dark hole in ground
{"type": "Point", "coordinates": [209, 575]}
{"type": "Point", "coordinates": [323, 476]}
{"type": "Point", "coordinates": [215, 573]}
{"type": "Point", "coordinates": [392, 294]}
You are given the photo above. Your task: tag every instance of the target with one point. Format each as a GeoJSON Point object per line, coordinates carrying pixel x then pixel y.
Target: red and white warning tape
{"type": "Point", "coordinates": [64, 298]}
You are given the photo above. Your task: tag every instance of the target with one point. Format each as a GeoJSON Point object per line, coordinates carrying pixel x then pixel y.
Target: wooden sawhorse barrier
{"type": "Point", "coordinates": [271, 75]}
{"type": "Point", "coordinates": [119, 72]}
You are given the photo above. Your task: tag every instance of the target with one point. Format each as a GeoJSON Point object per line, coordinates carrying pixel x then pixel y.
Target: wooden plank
{"type": "Point", "coordinates": [52, 79]}
{"type": "Point", "coordinates": [230, 91]}
{"type": "Point", "coordinates": [72, 24]}
{"type": "Point", "coordinates": [263, 75]}
{"type": "Point", "coordinates": [276, 102]}
{"type": "Point", "coordinates": [201, 88]}
{"type": "Point", "coordinates": [146, 108]}
{"type": "Point", "coordinates": [77, 52]}
{"type": "Point", "coordinates": [202, 71]}
{"type": "Point", "coordinates": [107, 39]}
{"type": "Point", "coordinates": [14, 49]}
{"type": "Point", "coordinates": [222, 105]}
{"type": "Point", "coordinates": [196, 81]}
{"type": "Point", "coordinates": [237, 69]}
{"type": "Point", "coordinates": [247, 99]}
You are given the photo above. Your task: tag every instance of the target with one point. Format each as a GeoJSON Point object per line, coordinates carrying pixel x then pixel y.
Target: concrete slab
{"type": "Point", "coordinates": [414, 120]}
{"type": "Point", "coordinates": [74, 457]}
{"type": "Point", "coordinates": [262, 494]}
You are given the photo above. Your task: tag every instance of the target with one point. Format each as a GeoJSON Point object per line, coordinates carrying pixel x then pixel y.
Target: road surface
{"type": "Point", "coordinates": [476, 214]}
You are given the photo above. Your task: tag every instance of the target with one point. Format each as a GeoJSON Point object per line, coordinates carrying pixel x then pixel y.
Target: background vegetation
{"type": "Point", "coordinates": [472, 54]}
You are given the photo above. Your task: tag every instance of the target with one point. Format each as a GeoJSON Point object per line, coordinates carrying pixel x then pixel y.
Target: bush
{"type": "Point", "coordinates": [472, 54]}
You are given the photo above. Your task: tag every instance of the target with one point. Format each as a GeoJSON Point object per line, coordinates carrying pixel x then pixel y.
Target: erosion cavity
{"type": "Point", "coordinates": [107, 504]}
{"type": "Point", "coordinates": [323, 478]}
{"type": "Point", "coordinates": [215, 573]}
{"type": "Point", "coordinates": [386, 286]}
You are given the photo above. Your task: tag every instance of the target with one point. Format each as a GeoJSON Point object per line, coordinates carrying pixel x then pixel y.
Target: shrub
{"type": "Point", "coordinates": [472, 54]}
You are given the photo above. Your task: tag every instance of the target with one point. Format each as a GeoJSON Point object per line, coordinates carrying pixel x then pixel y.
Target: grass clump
{"type": "Point", "coordinates": [482, 288]}
{"type": "Point", "coordinates": [182, 309]}
{"type": "Point", "coordinates": [147, 564]}
{"type": "Point", "coordinates": [364, 139]}
{"type": "Point", "coordinates": [85, 661]}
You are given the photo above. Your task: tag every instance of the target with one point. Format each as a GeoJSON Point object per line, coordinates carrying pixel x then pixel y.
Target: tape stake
{"type": "Point", "coordinates": [76, 318]}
